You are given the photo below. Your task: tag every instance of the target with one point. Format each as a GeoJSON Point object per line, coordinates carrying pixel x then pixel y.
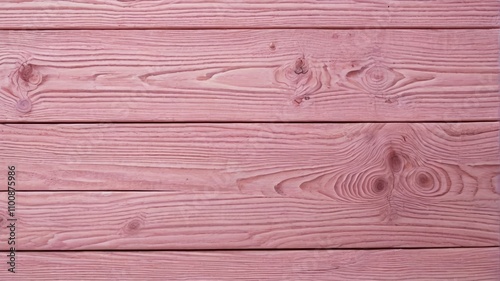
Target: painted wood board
{"type": "Point", "coordinates": [254, 186]}
{"type": "Point", "coordinates": [210, 221]}
{"type": "Point", "coordinates": [112, 14]}
{"type": "Point", "coordinates": [249, 75]}
{"type": "Point", "coordinates": [442, 264]}
{"type": "Point", "coordinates": [327, 161]}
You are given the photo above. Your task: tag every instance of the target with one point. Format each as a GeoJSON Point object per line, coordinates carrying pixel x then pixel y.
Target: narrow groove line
{"type": "Point", "coordinates": [257, 122]}
{"type": "Point", "coordinates": [254, 28]}
{"type": "Point", "coordinates": [259, 250]}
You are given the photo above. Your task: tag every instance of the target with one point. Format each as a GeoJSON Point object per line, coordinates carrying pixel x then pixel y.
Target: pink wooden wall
{"type": "Point", "coordinates": [249, 140]}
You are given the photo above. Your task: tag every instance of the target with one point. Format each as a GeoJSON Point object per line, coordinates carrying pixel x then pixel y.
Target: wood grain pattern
{"type": "Point", "coordinates": [442, 264]}
{"type": "Point", "coordinates": [235, 186]}
{"type": "Point", "coordinates": [249, 75]}
{"type": "Point", "coordinates": [15, 14]}
{"type": "Point", "coordinates": [92, 198]}
{"type": "Point", "coordinates": [206, 221]}
{"type": "Point", "coordinates": [324, 160]}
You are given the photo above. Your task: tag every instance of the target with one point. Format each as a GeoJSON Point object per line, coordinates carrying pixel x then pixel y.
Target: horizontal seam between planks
{"type": "Point", "coordinates": [261, 249]}
{"type": "Point", "coordinates": [253, 122]}
{"type": "Point", "coordinates": [253, 28]}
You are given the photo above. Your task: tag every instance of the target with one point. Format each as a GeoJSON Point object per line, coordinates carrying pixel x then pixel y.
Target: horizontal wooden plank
{"type": "Point", "coordinates": [247, 13]}
{"type": "Point", "coordinates": [201, 221]}
{"type": "Point", "coordinates": [442, 264]}
{"type": "Point", "coordinates": [236, 186]}
{"type": "Point", "coordinates": [253, 158]}
{"type": "Point", "coordinates": [249, 75]}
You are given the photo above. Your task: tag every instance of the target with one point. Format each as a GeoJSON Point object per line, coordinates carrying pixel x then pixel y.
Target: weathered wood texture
{"type": "Point", "coordinates": [443, 264]}
{"type": "Point", "coordinates": [249, 75]}
{"type": "Point", "coordinates": [255, 185]}
{"type": "Point", "coordinates": [15, 14]}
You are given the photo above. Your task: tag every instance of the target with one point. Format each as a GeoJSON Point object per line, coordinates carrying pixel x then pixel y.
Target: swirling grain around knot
{"type": "Point", "coordinates": [372, 184]}
{"type": "Point", "coordinates": [133, 226]}
{"type": "Point", "coordinates": [28, 77]}
{"type": "Point", "coordinates": [425, 182]}
{"type": "Point", "coordinates": [24, 105]}
{"type": "Point", "coordinates": [294, 74]}
{"type": "Point", "coordinates": [374, 78]}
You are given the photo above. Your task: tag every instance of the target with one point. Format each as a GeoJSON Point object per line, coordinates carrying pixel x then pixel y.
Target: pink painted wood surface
{"type": "Point", "coordinates": [216, 220]}
{"type": "Point", "coordinates": [237, 186]}
{"type": "Point", "coordinates": [438, 264]}
{"type": "Point", "coordinates": [38, 14]}
{"type": "Point", "coordinates": [321, 160]}
{"type": "Point", "coordinates": [249, 75]}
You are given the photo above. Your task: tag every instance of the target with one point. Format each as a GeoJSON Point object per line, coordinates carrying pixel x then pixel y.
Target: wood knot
{"type": "Point", "coordinates": [395, 162]}
{"type": "Point", "coordinates": [23, 105]}
{"type": "Point", "coordinates": [360, 187]}
{"type": "Point", "coordinates": [374, 78]}
{"type": "Point", "coordinates": [301, 78]}
{"type": "Point", "coordinates": [300, 66]}
{"type": "Point", "coordinates": [133, 226]}
{"type": "Point", "coordinates": [28, 77]}
{"type": "Point", "coordinates": [25, 72]}
{"type": "Point", "coordinates": [380, 185]}
{"type": "Point", "coordinates": [29, 74]}
{"type": "Point", "coordinates": [424, 180]}
{"type": "Point", "coordinates": [294, 74]}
